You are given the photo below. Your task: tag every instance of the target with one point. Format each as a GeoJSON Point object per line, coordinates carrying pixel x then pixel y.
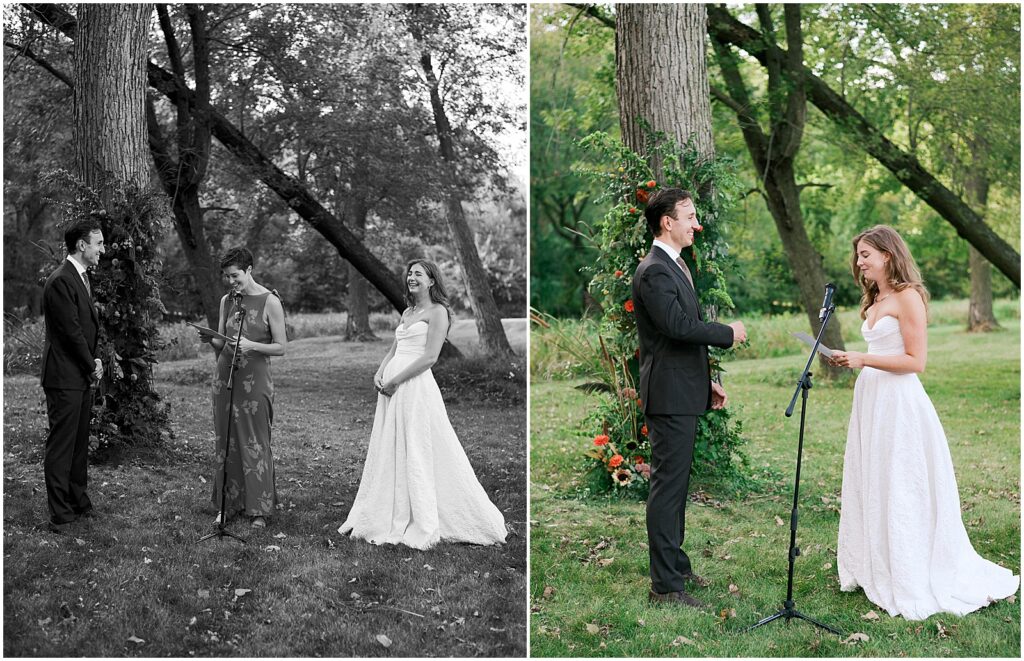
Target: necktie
{"type": "Point", "coordinates": [686, 270]}
{"type": "Point", "coordinates": [85, 279]}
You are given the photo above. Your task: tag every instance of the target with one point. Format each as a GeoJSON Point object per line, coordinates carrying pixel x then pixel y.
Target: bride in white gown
{"type": "Point", "coordinates": [418, 486]}
{"type": "Point", "coordinates": [901, 536]}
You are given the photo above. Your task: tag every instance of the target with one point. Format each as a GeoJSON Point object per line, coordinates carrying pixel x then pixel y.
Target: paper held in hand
{"type": "Point", "coordinates": [209, 332]}
{"type": "Point", "coordinates": [809, 341]}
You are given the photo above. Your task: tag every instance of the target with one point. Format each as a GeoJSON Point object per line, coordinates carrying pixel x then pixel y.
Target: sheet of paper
{"type": "Point", "coordinates": [809, 341]}
{"type": "Point", "coordinates": [209, 332]}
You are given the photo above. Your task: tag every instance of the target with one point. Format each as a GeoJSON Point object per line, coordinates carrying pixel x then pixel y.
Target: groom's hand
{"type": "Point", "coordinates": [739, 332]}
{"type": "Point", "coordinates": [718, 396]}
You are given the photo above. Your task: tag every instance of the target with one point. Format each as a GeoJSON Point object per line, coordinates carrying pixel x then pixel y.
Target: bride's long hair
{"type": "Point", "coordinates": [438, 294]}
{"type": "Point", "coordinates": [900, 270]}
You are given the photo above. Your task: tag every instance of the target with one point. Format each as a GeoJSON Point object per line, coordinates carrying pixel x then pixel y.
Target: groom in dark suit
{"type": "Point", "coordinates": [70, 370]}
{"type": "Point", "coordinates": [675, 383]}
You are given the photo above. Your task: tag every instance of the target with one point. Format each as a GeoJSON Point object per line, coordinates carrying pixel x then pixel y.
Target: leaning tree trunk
{"type": "Point", "coordinates": [488, 320]}
{"type": "Point", "coordinates": [110, 93]}
{"type": "Point", "coordinates": [661, 75]}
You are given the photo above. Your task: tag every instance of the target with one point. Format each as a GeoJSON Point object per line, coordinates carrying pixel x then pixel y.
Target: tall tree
{"type": "Point", "coordinates": [661, 75]}
{"type": "Point", "coordinates": [488, 320]}
{"type": "Point", "coordinates": [774, 155]}
{"type": "Point", "coordinates": [904, 165]}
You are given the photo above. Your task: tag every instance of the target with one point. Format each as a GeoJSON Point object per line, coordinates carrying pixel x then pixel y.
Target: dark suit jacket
{"type": "Point", "coordinates": [71, 328]}
{"type": "Point", "coordinates": [675, 378]}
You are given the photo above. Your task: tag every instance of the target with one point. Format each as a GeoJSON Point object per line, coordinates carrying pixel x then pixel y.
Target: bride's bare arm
{"type": "Point", "coordinates": [437, 330]}
{"type": "Point", "coordinates": [913, 318]}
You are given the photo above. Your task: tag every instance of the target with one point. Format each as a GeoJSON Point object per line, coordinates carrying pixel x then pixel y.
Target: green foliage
{"type": "Point", "coordinates": [622, 239]}
{"type": "Point", "coordinates": [125, 288]}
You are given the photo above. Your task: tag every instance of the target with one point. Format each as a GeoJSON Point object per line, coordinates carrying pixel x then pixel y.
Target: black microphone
{"type": "Point", "coordinates": [236, 297]}
{"type": "Point", "coordinates": [827, 303]}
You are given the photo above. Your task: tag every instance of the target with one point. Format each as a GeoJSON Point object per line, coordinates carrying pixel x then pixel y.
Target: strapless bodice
{"type": "Point", "coordinates": [412, 339]}
{"type": "Point", "coordinates": [885, 338]}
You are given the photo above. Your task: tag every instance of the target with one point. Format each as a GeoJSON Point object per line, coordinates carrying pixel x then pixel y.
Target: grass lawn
{"type": "Point", "coordinates": [589, 580]}
{"type": "Point", "coordinates": [137, 583]}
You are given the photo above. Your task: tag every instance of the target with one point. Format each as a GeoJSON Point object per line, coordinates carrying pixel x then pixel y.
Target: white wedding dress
{"type": "Point", "coordinates": [418, 486]}
{"type": "Point", "coordinates": [901, 536]}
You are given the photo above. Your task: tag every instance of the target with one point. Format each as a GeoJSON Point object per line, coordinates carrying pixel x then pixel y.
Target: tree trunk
{"type": "Point", "coordinates": [357, 319]}
{"type": "Point", "coordinates": [907, 169]}
{"type": "Point", "coordinates": [485, 311]}
{"type": "Point", "coordinates": [773, 156]}
{"type": "Point", "coordinates": [661, 75]}
{"type": "Point", "coordinates": [981, 317]}
{"type": "Point", "coordinates": [110, 92]}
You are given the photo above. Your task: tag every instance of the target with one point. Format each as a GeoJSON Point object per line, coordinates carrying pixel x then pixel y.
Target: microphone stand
{"type": "Point", "coordinates": [222, 530]}
{"type": "Point", "coordinates": [788, 609]}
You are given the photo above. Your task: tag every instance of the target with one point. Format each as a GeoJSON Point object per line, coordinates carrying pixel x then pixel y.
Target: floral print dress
{"type": "Point", "coordinates": [250, 465]}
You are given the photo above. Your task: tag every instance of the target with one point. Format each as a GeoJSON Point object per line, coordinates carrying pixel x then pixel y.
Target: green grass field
{"type": "Point", "coordinates": [137, 583]}
{"type": "Point", "coordinates": [589, 581]}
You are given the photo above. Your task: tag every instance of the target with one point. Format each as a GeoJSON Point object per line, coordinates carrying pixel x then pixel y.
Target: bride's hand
{"type": "Point", "coordinates": [851, 359]}
{"type": "Point", "coordinates": [388, 389]}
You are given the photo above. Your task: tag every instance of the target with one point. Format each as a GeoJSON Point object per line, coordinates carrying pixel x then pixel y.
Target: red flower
{"type": "Point", "coordinates": [628, 305]}
{"type": "Point", "coordinates": [636, 354]}
{"type": "Point", "coordinates": [699, 228]}
{"type": "Point", "coordinates": [641, 195]}
{"type": "Point", "coordinates": [601, 439]}
{"type": "Point", "coordinates": [652, 183]}
{"type": "Point", "coordinates": [615, 461]}
{"type": "Point", "coordinates": [639, 402]}
{"type": "Point", "coordinates": [618, 274]}
{"type": "Point", "coordinates": [638, 460]}
{"type": "Point", "coordinates": [643, 430]}
{"type": "Point", "coordinates": [632, 209]}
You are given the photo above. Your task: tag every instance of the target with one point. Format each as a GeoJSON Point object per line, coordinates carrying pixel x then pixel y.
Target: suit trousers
{"type": "Point", "coordinates": [672, 438]}
{"type": "Point", "coordinates": [66, 459]}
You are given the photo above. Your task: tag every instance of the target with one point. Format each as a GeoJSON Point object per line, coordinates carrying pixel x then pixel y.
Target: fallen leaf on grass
{"type": "Point", "coordinates": [1011, 599]}
{"type": "Point", "coordinates": [640, 622]}
{"type": "Point", "coordinates": [942, 630]}
{"type": "Point", "coordinates": [604, 562]}
{"type": "Point", "coordinates": [548, 591]}
{"type": "Point", "coordinates": [43, 623]}
{"type": "Point", "coordinates": [354, 595]}
{"type": "Point", "coordinates": [203, 594]}
{"type": "Point", "coordinates": [80, 542]}
{"type": "Point", "coordinates": [383, 640]}
{"type": "Point", "coordinates": [734, 589]}
{"type": "Point", "coordinates": [593, 629]}
{"type": "Point", "coordinates": [870, 615]}
{"type": "Point", "coordinates": [135, 639]}
{"type": "Point", "coordinates": [272, 548]}
{"type": "Point", "coordinates": [280, 535]}
{"type": "Point", "coordinates": [827, 566]}
{"type": "Point", "coordinates": [681, 640]}
{"type": "Point", "coordinates": [428, 567]}
{"type": "Point", "coordinates": [779, 521]}
{"type": "Point", "coordinates": [353, 580]}
{"type": "Point", "coordinates": [726, 613]}
{"type": "Point", "coordinates": [241, 592]}
{"type": "Point", "coordinates": [857, 638]}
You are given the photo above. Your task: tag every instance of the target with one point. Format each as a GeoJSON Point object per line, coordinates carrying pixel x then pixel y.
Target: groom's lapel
{"type": "Point", "coordinates": [660, 254]}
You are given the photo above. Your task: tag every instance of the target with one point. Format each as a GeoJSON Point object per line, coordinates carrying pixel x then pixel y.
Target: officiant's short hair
{"type": "Point", "coordinates": [240, 257]}
{"type": "Point", "coordinates": [663, 203]}
{"type": "Point", "coordinates": [80, 231]}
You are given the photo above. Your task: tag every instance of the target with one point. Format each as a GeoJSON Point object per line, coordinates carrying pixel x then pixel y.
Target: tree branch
{"type": "Point", "coordinates": [30, 54]}
{"type": "Point", "coordinates": [593, 11]}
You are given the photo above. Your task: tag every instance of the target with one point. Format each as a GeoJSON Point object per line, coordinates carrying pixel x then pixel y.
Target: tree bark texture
{"type": "Point", "coordinates": [488, 321]}
{"type": "Point", "coordinates": [110, 92]}
{"type": "Point", "coordinates": [357, 317]}
{"type": "Point", "coordinates": [661, 74]}
{"type": "Point", "coordinates": [774, 158]}
{"type": "Point", "coordinates": [907, 169]}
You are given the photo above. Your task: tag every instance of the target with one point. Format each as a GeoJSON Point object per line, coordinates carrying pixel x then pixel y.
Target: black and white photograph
{"type": "Point", "coordinates": [265, 330]}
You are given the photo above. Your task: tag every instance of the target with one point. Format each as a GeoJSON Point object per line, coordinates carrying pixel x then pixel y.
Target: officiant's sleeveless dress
{"type": "Point", "coordinates": [418, 486]}
{"type": "Point", "coordinates": [250, 465]}
{"type": "Point", "coordinates": [901, 536]}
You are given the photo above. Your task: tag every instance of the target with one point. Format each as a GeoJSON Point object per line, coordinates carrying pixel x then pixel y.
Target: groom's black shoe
{"type": "Point", "coordinates": [679, 598]}
{"type": "Point", "coordinates": [699, 580]}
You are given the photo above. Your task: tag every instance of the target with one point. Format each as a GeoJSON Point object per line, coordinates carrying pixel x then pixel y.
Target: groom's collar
{"type": "Point", "coordinates": [671, 252]}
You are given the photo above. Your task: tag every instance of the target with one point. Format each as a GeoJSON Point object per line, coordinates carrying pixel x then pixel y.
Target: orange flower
{"type": "Point", "coordinates": [639, 402]}
{"type": "Point", "coordinates": [632, 209]}
{"type": "Point", "coordinates": [628, 305]}
{"type": "Point", "coordinates": [699, 228]}
{"type": "Point", "coordinates": [643, 430]}
{"type": "Point", "coordinates": [615, 461]}
{"type": "Point", "coordinates": [618, 274]}
{"type": "Point", "coordinates": [652, 183]}
{"type": "Point", "coordinates": [641, 195]}
{"type": "Point", "coordinates": [638, 460]}
{"type": "Point", "coordinates": [601, 439]}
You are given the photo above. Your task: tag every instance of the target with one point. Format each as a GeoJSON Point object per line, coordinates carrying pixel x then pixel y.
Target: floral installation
{"type": "Point", "coordinates": [621, 451]}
